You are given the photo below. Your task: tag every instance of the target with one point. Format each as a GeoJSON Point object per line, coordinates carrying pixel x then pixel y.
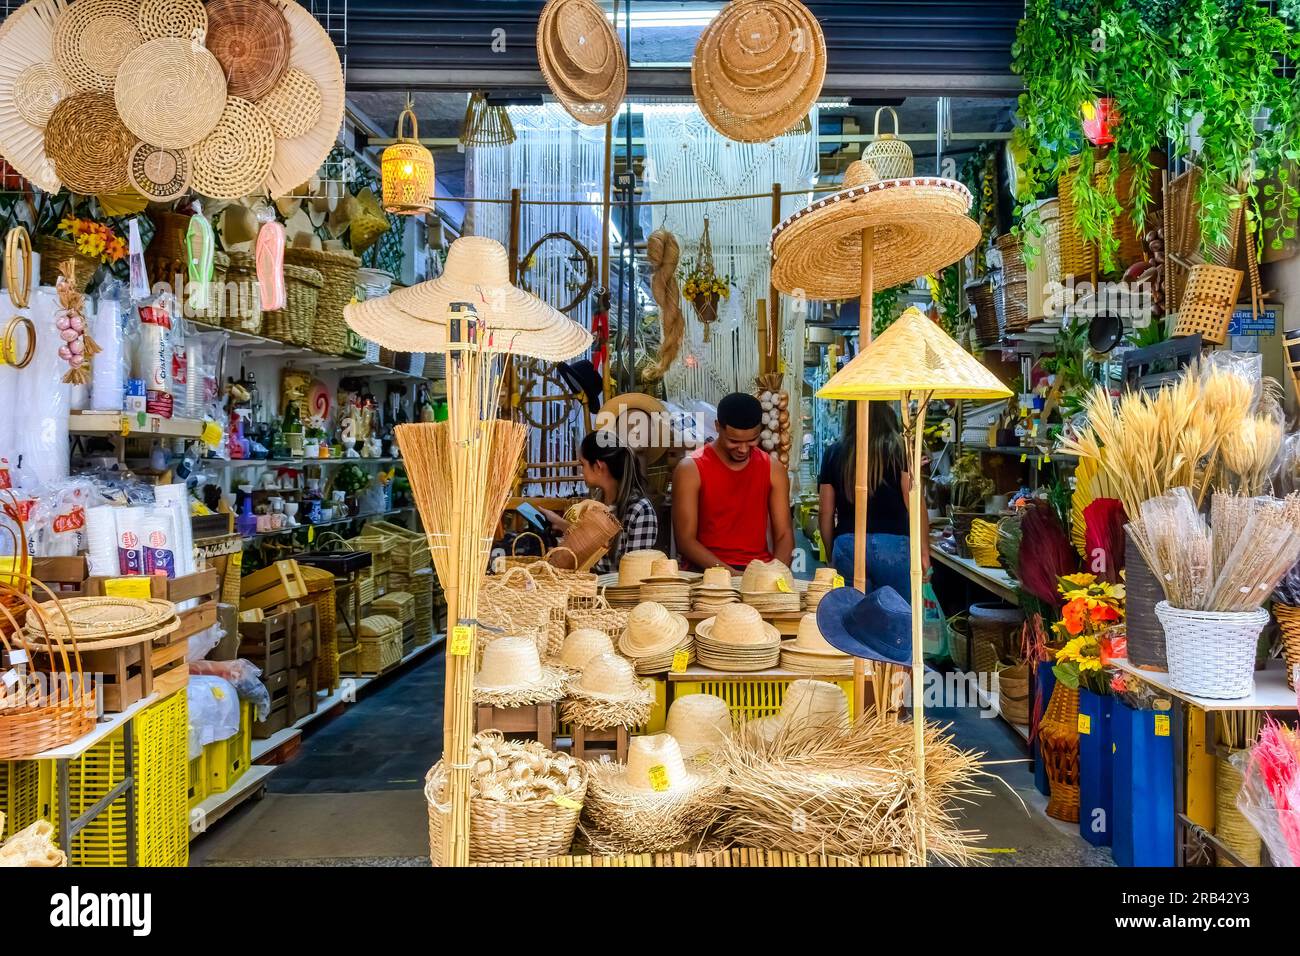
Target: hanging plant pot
{"type": "Point", "coordinates": [706, 310]}
{"type": "Point", "coordinates": [1100, 117]}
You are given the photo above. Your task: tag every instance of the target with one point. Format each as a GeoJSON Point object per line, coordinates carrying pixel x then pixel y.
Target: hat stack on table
{"type": "Point", "coordinates": [811, 653]}
{"type": "Point", "coordinates": [667, 585]}
{"type": "Point", "coordinates": [653, 637]}
{"type": "Point", "coordinates": [737, 639]}
{"type": "Point", "coordinates": [633, 568]}
{"type": "Point", "coordinates": [768, 586]}
{"type": "Point", "coordinates": [822, 581]}
{"type": "Point", "coordinates": [716, 589]}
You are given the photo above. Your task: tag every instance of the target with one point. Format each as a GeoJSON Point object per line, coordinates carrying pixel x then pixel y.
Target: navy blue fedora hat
{"type": "Point", "coordinates": [877, 626]}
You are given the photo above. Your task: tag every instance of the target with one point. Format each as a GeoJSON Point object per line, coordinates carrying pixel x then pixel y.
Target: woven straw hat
{"type": "Point", "coordinates": [738, 624]}
{"type": "Point", "coordinates": [478, 272]}
{"type": "Point", "coordinates": [582, 645]}
{"type": "Point", "coordinates": [716, 579]}
{"type": "Point", "coordinates": [510, 663]}
{"type": "Point", "coordinates": [761, 577]}
{"type": "Point", "coordinates": [809, 640]}
{"type": "Point", "coordinates": [807, 703]}
{"type": "Point", "coordinates": [921, 226]}
{"type": "Point", "coordinates": [824, 576]}
{"type": "Point", "coordinates": [811, 652]}
{"type": "Point", "coordinates": [634, 567]}
{"type": "Point", "coordinates": [581, 59]}
{"type": "Point", "coordinates": [913, 355]}
{"type": "Point", "coordinates": [609, 677]}
{"type": "Point", "coordinates": [665, 569]}
{"type": "Point", "coordinates": [651, 630]}
{"type": "Point", "coordinates": [700, 723]}
{"type": "Point", "coordinates": [758, 68]}
{"type": "Point", "coordinates": [655, 759]}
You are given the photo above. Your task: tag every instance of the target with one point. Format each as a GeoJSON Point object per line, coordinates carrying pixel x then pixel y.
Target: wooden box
{"type": "Point", "coordinates": [535, 722]}
{"type": "Point", "coordinates": [272, 585]}
{"type": "Point", "coordinates": [595, 744]}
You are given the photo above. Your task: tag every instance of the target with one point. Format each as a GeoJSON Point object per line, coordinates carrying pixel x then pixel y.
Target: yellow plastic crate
{"type": "Point", "coordinates": [751, 698]}
{"type": "Point", "coordinates": [229, 758]}
{"type": "Point", "coordinates": [20, 795]}
{"type": "Point", "coordinates": [162, 791]}
{"type": "Point", "coordinates": [198, 786]}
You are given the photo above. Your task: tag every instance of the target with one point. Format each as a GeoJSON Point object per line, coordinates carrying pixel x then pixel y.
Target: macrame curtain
{"type": "Point", "coordinates": [552, 158]}
{"type": "Point", "coordinates": [687, 158]}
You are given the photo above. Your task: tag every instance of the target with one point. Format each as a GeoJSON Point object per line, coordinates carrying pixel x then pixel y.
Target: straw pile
{"type": "Point", "coordinates": [512, 771]}
{"type": "Point", "coordinates": [847, 792]}
{"type": "Point", "coordinates": [33, 846]}
{"type": "Point", "coordinates": [603, 713]}
{"type": "Point", "coordinates": [618, 820]}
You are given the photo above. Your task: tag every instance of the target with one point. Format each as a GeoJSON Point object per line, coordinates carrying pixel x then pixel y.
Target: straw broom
{"type": "Point", "coordinates": [461, 473]}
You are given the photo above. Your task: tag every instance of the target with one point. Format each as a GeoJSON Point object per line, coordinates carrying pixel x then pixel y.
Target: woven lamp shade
{"type": "Point", "coordinates": [887, 155]}
{"type": "Point", "coordinates": [913, 356]}
{"type": "Point", "coordinates": [581, 59]}
{"type": "Point", "coordinates": [251, 40]}
{"type": "Point", "coordinates": [88, 144]}
{"type": "Point", "coordinates": [485, 124]}
{"type": "Point", "coordinates": [170, 92]}
{"type": "Point", "coordinates": [407, 171]}
{"type": "Point", "coordinates": [758, 68]}
{"type": "Point", "coordinates": [921, 225]}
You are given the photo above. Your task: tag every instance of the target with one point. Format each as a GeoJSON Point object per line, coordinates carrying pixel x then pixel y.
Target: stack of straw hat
{"type": "Point", "coordinates": [633, 568]}
{"type": "Point", "coordinates": [808, 704]}
{"type": "Point", "coordinates": [653, 636]}
{"type": "Point", "coordinates": [700, 723]}
{"type": "Point", "coordinates": [810, 653]}
{"type": "Point", "coordinates": [666, 585]}
{"type": "Point", "coordinates": [581, 59]}
{"type": "Point", "coordinates": [714, 590]}
{"type": "Point", "coordinates": [823, 580]}
{"type": "Point", "coordinates": [737, 639]}
{"type": "Point", "coordinates": [581, 645]}
{"type": "Point", "coordinates": [512, 675]}
{"type": "Point", "coordinates": [607, 694]}
{"type": "Point", "coordinates": [769, 587]}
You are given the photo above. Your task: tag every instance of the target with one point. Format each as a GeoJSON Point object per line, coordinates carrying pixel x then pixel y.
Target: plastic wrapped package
{"type": "Point", "coordinates": [134, 540]}
{"type": "Point", "coordinates": [213, 709]}
{"type": "Point", "coordinates": [61, 516]}
{"type": "Point", "coordinates": [202, 643]}
{"type": "Point", "coordinates": [1279, 827]}
{"type": "Point", "coordinates": [152, 355]}
{"type": "Point", "coordinates": [244, 676]}
{"type": "Point", "coordinates": [207, 352]}
{"type": "Point", "coordinates": [108, 368]}
{"type": "Point", "coordinates": [39, 409]}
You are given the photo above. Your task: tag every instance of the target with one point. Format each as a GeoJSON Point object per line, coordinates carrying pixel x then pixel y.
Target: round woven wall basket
{"type": "Point", "coordinates": [172, 18]}
{"type": "Point", "coordinates": [91, 40]}
{"type": "Point", "coordinates": [407, 171]}
{"type": "Point", "coordinates": [250, 38]}
{"type": "Point", "coordinates": [234, 159]}
{"type": "Point", "coordinates": [294, 106]}
{"type": "Point", "coordinates": [170, 92]}
{"type": "Point", "coordinates": [37, 90]}
{"type": "Point", "coordinates": [88, 144]}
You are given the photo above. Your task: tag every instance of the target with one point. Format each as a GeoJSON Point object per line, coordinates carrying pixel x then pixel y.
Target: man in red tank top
{"type": "Point", "coordinates": [728, 494]}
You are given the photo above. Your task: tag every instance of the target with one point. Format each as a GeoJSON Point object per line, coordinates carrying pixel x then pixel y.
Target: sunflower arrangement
{"type": "Point", "coordinates": [94, 239]}
{"type": "Point", "coordinates": [1092, 609]}
{"type": "Point", "coordinates": [698, 283]}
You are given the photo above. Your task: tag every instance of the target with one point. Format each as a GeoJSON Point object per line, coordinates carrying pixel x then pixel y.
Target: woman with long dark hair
{"type": "Point", "coordinates": [888, 484]}
{"type": "Point", "coordinates": [616, 476]}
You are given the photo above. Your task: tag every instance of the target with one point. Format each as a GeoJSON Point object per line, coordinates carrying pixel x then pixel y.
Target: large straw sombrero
{"type": "Point", "coordinates": [581, 59]}
{"type": "Point", "coordinates": [920, 226]}
{"type": "Point", "coordinates": [511, 674]}
{"type": "Point", "coordinates": [635, 418]}
{"type": "Point", "coordinates": [27, 51]}
{"type": "Point", "coordinates": [414, 319]}
{"type": "Point", "coordinates": [700, 723]}
{"type": "Point", "coordinates": [758, 68]}
{"type": "Point", "coordinates": [808, 704]}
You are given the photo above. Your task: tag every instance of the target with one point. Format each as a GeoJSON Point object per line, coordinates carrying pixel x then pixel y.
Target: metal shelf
{"type": "Point", "coordinates": [259, 535]}
{"type": "Point", "coordinates": [293, 462]}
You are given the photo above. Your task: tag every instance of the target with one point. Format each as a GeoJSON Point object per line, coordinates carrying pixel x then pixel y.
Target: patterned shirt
{"type": "Point", "coordinates": [640, 531]}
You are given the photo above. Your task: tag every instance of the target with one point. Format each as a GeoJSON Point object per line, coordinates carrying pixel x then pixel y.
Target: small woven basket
{"type": "Point", "coordinates": [1058, 737]}
{"type": "Point", "coordinates": [1230, 825]}
{"type": "Point", "coordinates": [1288, 619]}
{"type": "Point", "coordinates": [997, 625]}
{"type": "Point", "coordinates": [984, 302]}
{"type": "Point", "coordinates": [1146, 635]}
{"type": "Point", "coordinates": [502, 832]}
{"type": "Point", "coordinates": [1013, 296]}
{"type": "Point", "coordinates": [294, 323]}
{"type": "Point", "coordinates": [243, 311]}
{"type": "Point", "coordinates": [54, 252]}
{"type": "Point", "coordinates": [1208, 298]}
{"type": "Point", "coordinates": [962, 522]}
{"type": "Point", "coordinates": [1078, 257]}
{"type": "Point", "coordinates": [1013, 693]}
{"type": "Point", "coordinates": [887, 156]}
{"type": "Point", "coordinates": [1212, 653]}
{"type": "Point", "coordinates": [338, 271]}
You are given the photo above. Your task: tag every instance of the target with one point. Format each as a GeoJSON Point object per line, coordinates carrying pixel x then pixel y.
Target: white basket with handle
{"type": "Point", "coordinates": [1211, 653]}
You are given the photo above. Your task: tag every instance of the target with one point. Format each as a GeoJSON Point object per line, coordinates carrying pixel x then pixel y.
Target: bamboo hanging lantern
{"type": "Point", "coordinates": [914, 360]}
{"type": "Point", "coordinates": [485, 124]}
{"type": "Point", "coordinates": [407, 170]}
{"type": "Point", "coordinates": [887, 155]}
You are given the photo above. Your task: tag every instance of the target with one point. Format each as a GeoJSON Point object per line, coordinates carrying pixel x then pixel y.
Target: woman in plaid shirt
{"type": "Point", "coordinates": [616, 476]}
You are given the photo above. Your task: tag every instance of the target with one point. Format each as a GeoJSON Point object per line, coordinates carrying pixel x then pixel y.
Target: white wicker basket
{"type": "Point", "coordinates": [1211, 653]}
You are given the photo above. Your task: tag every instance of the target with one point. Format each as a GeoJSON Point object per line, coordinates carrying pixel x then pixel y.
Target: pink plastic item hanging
{"type": "Point", "coordinates": [270, 266]}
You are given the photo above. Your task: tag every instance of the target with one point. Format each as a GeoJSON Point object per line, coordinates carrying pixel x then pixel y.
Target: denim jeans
{"type": "Point", "coordinates": [888, 561]}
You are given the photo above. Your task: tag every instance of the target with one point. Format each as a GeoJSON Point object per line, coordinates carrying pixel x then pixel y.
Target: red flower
{"type": "Point", "coordinates": [1075, 614]}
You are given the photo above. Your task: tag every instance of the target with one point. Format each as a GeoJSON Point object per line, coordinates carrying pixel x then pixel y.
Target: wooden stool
{"type": "Point", "coordinates": [594, 744]}
{"type": "Point", "coordinates": [534, 722]}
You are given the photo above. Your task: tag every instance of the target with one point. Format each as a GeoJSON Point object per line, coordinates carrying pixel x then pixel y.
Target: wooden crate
{"type": "Point", "coordinates": [594, 744]}
{"type": "Point", "coordinates": [124, 674]}
{"type": "Point", "coordinates": [272, 585]}
{"type": "Point", "coordinates": [535, 722]}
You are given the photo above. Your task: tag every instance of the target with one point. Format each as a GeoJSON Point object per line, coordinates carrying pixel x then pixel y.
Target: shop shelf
{"type": "Point", "coordinates": [138, 423]}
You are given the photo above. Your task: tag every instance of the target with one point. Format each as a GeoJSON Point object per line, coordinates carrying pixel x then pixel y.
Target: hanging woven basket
{"type": "Point", "coordinates": [407, 171]}
{"type": "Point", "coordinates": [887, 156]}
{"type": "Point", "coordinates": [485, 124]}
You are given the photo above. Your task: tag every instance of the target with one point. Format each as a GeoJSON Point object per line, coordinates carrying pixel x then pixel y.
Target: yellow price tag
{"type": "Point", "coordinates": [681, 659]}
{"type": "Point", "coordinates": [236, 560]}
{"type": "Point", "coordinates": [211, 434]}
{"type": "Point", "coordinates": [1162, 725]}
{"type": "Point", "coordinates": [783, 586]}
{"type": "Point", "coordinates": [1047, 459]}
{"type": "Point", "coordinates": [658, 778]}
{"type": "Point", "coordinates": [311, 533]}
{"type": "Point", "coordinates": [837, 581]}
{"type": "Point", "coordinates": [462, 639]}
{"type": "Point", "coordinates": [1085, 724]}
{"type": "Point", "coordinates": [567, 803]}
{"type": "Point", "coordinates": [133, 587]}
{"type": "Point", "coordinates": [1024, 458]}
{"type": "Point", "coordinates": [126, 426]}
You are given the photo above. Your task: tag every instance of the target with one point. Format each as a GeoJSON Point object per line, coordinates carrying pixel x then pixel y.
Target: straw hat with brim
{"type": "Point", "coordinates": [636, 418]}
{"type": "Point", "coordinates": [773, 602]}
{"type": "Point", "coordinates": [582, 645]}
{"type": "Point", "coordinates": [700, 723]}
{"type": "Point", "coordinates": [716, 579]}
{"type": "Point", "coordinates": [809, 640]}
{"type": "Point", "coordinates": [921, 225]}
{"type": "Point", "coordinates": [762, 576]}
{"type": "Point", "coordinates": [607, 694]}
{"type": "Point", "coordinates": [652, 630]}
{"type": "Point", "coordinates": [876, 626]}
{"type": "Point", "coordinates": [808, 704]}
{"type": "Point", "coordinates": [655, 768]}
{"type": "Point", "coordinates": [758, 68]}
{"type": "Point", "coordinates": [634, 566]}
{"type": "Point", "coordinates": [512, 674]}
{"type": "Point", "coordinates": [824, 577]}
{"type": "Point", "coordinates": [609, 677]}
{"type": "Point", "coordinates": [737, 624]}
{"type": "Point", "coordinates": [477, 272]}
{"type": "Point", "coordinates": [581, 59]}
{"type": "Point", "coordinates": [809, 652]}
{"type": "Point", "coordinates": [665, 570]}
{"type": "Point", "coordinates": [913, 356]}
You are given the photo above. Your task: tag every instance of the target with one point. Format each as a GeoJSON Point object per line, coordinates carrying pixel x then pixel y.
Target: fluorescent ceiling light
{"type": "Point", "coordinates": [680, 17]}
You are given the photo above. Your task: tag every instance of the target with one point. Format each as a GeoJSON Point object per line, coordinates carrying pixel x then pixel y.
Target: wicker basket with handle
{"type": "Point", "coordinates": [243, 310]}
{"type": "Point", "coordinates": [339, 274]}
{"type": "Point", "coordinates": [54, 252]}
{"type": "Point", "coordinates": [294, 323]}
{"type": "Point", "coordinates": [888, 156]}
{"type": "Point", "coordinates": [982, 298]}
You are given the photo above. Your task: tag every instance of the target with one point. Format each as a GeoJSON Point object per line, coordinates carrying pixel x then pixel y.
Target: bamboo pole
{"type": "Point", "coordinates": [860, 489]}
{"type": "Point", "coordinates": [774, 300]}
{"type": "Point", "coordinates": [605, 214]}
{"type": "Point", "coordinates": [912, 429]}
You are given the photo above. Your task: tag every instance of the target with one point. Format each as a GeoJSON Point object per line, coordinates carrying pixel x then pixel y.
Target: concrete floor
{"type": "Point", "coordinates": [353, 793]}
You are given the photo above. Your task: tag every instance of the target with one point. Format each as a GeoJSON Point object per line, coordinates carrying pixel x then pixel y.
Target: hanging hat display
{"type": "Point", "coordinates": [581, 59]}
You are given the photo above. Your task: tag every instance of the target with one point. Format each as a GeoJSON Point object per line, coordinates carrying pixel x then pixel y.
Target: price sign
{"type": "Point", "coordinates": [658, 778]}
{"type": "Point", "coordinates": [1085, 724]}
{"type": "Point", "coordinates": [680, 661]}
{"type": "Point", "coordinates": [567, 803]}
{"type": "Point", "coordinates": [783, 586]}
{"type": "Point", "coordinates": [837, 581]}
{"type": "Point", "coordinates": [462, 639]}
{"type": "Point", "coordinates": [1162, 725]}
{"type": "Point", "coordinates": [133, 587]}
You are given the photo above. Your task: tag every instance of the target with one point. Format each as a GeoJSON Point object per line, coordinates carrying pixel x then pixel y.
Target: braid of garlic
{"type": "Point", "coordinates": [664, 254]}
